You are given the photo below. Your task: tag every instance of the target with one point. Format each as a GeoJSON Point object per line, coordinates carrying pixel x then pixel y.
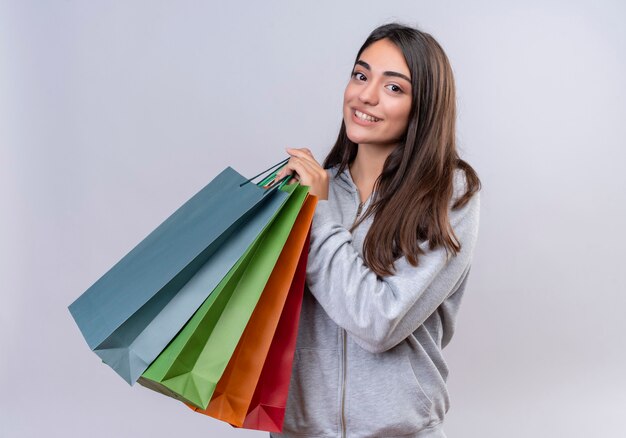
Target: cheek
{"type": "Point", "coordinates": [348, 100]}
{"type": "Point", "coordinates": [348, 94]}
{"type": "Point", "coordinates": [401, 114]}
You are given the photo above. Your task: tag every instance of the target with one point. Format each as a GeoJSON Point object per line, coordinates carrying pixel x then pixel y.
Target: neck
{"type": "Point", "coordinates": [368, 165]}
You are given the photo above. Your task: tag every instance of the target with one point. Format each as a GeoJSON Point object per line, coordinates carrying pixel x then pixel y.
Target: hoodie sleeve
{"type": "Point", "coordinates": [381, 312]}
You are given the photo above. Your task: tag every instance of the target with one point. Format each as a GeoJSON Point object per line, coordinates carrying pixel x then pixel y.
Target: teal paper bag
{"type": "Point", "coordinates": [135, 309]}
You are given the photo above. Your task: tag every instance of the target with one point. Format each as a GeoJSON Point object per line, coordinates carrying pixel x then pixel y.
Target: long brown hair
{"type": "Point", "coordinates": [418, 176]}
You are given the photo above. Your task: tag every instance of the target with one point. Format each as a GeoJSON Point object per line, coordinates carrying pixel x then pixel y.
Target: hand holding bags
{"type": "Point", "coordinates": [195, 307]}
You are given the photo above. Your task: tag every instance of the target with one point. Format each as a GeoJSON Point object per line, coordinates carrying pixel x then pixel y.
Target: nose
{"type": "Point", "coordinates": [368, 94]}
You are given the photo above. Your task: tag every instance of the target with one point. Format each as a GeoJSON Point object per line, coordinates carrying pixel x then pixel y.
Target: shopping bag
{"type": "Point", "coordinates": [233, 394]}
{"type": "Point", "coordinates": [135, 309]}
{"type": "Point", "coordinates": [190, 367]}
{"type": "Point", "coordinates": [267, 408]}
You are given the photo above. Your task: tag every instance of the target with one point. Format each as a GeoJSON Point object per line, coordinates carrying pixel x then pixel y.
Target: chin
{"type": "Point", "coordinates": [354, 134]}
{"type": "Point", "coordinates": [358, 138]}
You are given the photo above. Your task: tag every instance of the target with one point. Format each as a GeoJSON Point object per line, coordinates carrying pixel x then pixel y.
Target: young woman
{"type": "Point", "coordinates": [391, 247]}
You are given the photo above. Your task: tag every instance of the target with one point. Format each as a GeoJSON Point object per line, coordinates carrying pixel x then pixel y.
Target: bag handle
{"type": "Point", "coordinates": [273, 186]}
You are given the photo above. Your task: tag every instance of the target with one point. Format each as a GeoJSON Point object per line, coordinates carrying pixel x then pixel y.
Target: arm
{"type": "Point", "coordinates": [380, 313]}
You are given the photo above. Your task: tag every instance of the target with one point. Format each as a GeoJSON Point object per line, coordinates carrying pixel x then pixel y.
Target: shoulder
{"type": "Point", "coordinates": [332, 170]}
{"type": "Point", "coordinates": [460, 184]}
{"type": "Point", "coordinates": [471, 207]}
{"type": "Point", "coordinates": [334, 177]}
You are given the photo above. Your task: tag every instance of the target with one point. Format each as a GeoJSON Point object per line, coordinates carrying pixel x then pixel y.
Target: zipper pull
{"type": "Point", "coordinates": [358, 212]}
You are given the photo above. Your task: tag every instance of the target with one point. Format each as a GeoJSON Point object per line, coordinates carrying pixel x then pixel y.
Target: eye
{"type": "Point", "coordinates": [395, 88]}
{"type": "Point", "coordinates": [358, 76]}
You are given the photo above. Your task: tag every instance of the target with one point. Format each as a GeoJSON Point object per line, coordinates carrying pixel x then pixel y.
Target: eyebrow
{"type": "Point", "coordinates": [385, 73]}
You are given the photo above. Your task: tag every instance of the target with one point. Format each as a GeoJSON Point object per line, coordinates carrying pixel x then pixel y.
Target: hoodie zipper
{"type": "Point", "coordinates": [343, 339]}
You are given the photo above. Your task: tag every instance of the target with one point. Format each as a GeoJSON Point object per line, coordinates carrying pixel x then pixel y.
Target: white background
{"type": "Point", "coordinates": [112, 114]}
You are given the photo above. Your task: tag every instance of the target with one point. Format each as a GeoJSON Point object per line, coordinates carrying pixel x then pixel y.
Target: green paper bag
{"type": "Point", "coordinates": [192, 364]}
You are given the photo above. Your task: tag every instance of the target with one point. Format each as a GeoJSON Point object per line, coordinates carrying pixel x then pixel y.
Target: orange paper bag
{"type": "Point", "coordinates": [269, 402]}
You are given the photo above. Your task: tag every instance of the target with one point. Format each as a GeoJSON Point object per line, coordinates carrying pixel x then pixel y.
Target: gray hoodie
{"type": "Point", "coordinates": [368, 359]}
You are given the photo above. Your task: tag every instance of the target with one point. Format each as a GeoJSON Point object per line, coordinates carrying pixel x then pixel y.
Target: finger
{"type": "Point", "coordinates": [294, 166]}
{"type": "Point", "coordinates": [288, 179]}
{"type": "Point", "coordinates": [284, 170]}
{"type": "Point", "coordinates": [307, 151]}
{"type": "Point", "coordinates": [302, 169]}
{"type": "Point", "coordinates": [305, 154]}
{"type": "Point", "coordinates": [310, 167]}
{"type": "Point", "coordinates": [299, 151]}
{"type": "Point", "coordinates": [315, 171]}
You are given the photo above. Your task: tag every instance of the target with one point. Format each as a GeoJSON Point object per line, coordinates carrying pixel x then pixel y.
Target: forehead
{"type": "Point", "coordinates": [383, 55]}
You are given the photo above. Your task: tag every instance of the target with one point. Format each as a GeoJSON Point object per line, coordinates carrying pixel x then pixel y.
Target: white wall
{"type": "Point", "coordinates": [112, 114]}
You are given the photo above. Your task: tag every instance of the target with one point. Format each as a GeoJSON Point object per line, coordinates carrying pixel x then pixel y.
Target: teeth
{"type": "Point", "coordinates": [366, 117]}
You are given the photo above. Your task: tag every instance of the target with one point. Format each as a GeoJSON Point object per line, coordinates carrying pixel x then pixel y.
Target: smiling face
{"type": "Point", "coordinates": [377, 100]}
